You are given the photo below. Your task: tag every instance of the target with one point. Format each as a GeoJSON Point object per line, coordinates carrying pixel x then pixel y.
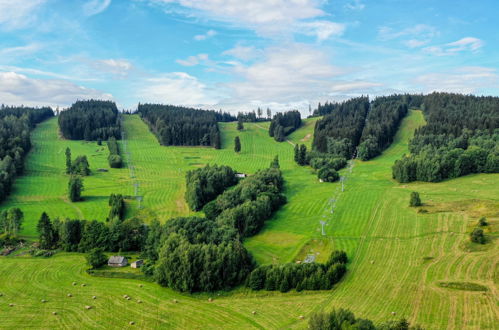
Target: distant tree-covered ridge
{"type": "Point", "coordinates": [15, 142]}
{"type": "Point", "coordinates": [284, 124]}
{"type": "Point", "coordinates": [181, 126]}
{"type": "Point", "coordinates": [90, 120]}
{"type": "Point", "coordinates": [461, 136]}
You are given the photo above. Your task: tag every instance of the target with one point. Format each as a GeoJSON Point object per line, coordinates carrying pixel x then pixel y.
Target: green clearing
{"type": "Point", "coordinates": [398, 256]}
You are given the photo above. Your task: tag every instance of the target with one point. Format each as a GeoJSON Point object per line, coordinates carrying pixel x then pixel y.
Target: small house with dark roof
{"type": "Point", "coordinates": [117, 261]}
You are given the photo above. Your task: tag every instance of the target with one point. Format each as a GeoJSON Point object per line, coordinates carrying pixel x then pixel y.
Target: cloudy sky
{"type": "Point", "coordinates": [241, 54]}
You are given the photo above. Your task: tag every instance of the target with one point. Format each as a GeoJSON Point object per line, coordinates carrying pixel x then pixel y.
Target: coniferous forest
{"type": "Point", "coordinates": [284, 124]}
{"type": "Point", "coordinates": [461, 136]}
{"type": "Point", "coordinates": [90, 120]}
{"type": "Point", "coordinates": [181, 126]}
{"type": "Point", "coordinates": [15, 126]}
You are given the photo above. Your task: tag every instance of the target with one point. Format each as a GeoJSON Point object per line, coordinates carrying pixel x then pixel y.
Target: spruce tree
{"type": "Point", "coordinates": [237, 144]}
{"type": "Point", "coordinates": [303, 155]}
{"type": "Point", "coordinates": [68, 160]}
{"type": "Point", "coordinates": [415, 200]}
{"type": "Point", "coordinates": [275, 162]}
{"type": "Point", "coordinates": [46, 231]}
{"type": "Point", "coordinates": [75, 187]}
{"type": "Point", "coordinates": [297, 154]}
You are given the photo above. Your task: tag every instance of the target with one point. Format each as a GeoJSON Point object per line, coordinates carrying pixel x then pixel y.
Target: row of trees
{"type": "Point", "coordinates": [117, 204]}
{"type": "Point", "coordinates": [114, 157]}
{"type": "Point", "coordinates": [83, 236]}
{"type": "Point", "coordinates": [90, 120]}
{"type": "Point", "coordinates": [182, 126]}
{"type": "Point", "coordinates": [11, 222]}
{"type": "Point", "coordinates": [339, 132]}
{"type": "Point", "coordinates": [284, 124]}
{"type": "Point", "coordinates": [204, 184]}
{"type": "Point", "coordinates": [343, 319]}
{"type": "Point", "coordinates": [461, 137]}
{"type": "Point", "coordinates": [303, 276]}
{"type": "Point", "coordinates": [382, 123]}
{"type": "Point", "coordinates": [15, 126]}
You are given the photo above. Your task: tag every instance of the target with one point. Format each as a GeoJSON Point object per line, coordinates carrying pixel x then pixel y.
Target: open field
{"type": "Point", "coordinates": [398, 256]}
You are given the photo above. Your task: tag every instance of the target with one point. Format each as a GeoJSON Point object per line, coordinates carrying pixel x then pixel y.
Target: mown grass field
{"type": "Point", "coordinates": [398, 256]}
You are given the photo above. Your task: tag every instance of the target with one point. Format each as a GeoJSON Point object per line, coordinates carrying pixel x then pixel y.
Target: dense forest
{"type": "Point", "coordinates": [180, 126]}
{"type": "Point", "coordinates": [205, 184]}
{"type": "Point", "coordinates": [302, 276]}
{"type": "Point", "coordinates": [90, 120]}
{"type": "Point", "coordinates": [339, 132]}
{"type": "Point", "coordinates": [284, 124]}
{"type": "Point", "coordinates": [461, 137]}
{"type": "Point", "coordinates": [381, 125]}
{"type": "Point", "coordinates": [15, 126]}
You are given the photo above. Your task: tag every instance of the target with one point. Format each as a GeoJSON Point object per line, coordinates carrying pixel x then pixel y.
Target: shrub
{"type": "Point", "coordinates": [415, 200]}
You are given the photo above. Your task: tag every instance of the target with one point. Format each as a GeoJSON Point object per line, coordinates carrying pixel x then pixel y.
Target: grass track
{"type": "Point", "coordinates": [397, 255]}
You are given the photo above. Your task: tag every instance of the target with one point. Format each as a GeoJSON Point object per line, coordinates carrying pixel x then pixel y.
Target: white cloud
{"type": "Point", "coordinates": [94, 7]}
{"type": "Point", "coordinates": [193, 60]}
{"type": "Point", "coordinates": [117, 67]}
{"type": "Point", "coordinates": [18, 14]}
{"type": "Point", "coordinates": [355, 5]}
{"type": "Point", "coordinates": [208, 34]}
{"type": "Point", "coordinates": [462, 45]}
{"type": "Point", "coordinates": [419, 35]}
{"type": "Point", "coordinates": [16, 89]}
{"type": "Point", "coordinates": [177, 88]}
{"type": "Point", "coordinates": [414, 43]}
{"type": "Point", "coordinates": [461, 80]}
{"type": "Point", "coordinates": [266, 17]}
{"type": "Point", "coordinates": [14, 52]}
{"type": "Point", "coordinates": [244, 53]}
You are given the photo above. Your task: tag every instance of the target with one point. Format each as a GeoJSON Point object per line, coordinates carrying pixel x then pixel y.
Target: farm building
{"type": "Point", "coordinates": [137, 264]}
{"type": "Point", "coordinates": [117, 261]}
{"type": "Point", "coordinates": [241, 175]}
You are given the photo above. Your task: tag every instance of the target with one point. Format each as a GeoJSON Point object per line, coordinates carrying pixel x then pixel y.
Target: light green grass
{"type": "Point", "coordinates": [398, 256]}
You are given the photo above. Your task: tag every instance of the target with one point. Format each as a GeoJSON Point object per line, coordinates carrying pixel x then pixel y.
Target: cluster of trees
{"type": "Point", "coordinates": [83, 236]}
{"type": "Point", "coordinates": [477, 235]}
{"type": "Point", "coordinates": [326, 165]}
{"type": "Point", "coordinates": [343, 319]}
{"type": "Point", "coordinates": [117, 204]}
{"type": "Point", "coordinates": [180, 126]}
{"type": "Point", "coordinates": [205, 184]}
{"type": "Point", "coordinates": [284, 124]}
{"type": "Point", "coordinates": [79, 166]}
{"type": "Point", "coordinates": [75, 187]}
{"type": "Point", "coordinates": [415, 200]}
{"type": "Point", "coordinates": [250, 203]}
{"type": "Point", "coordinates": [90, 120]}
{"type": "Point", "coordinates": [382, 123]}
{"type": "Point", "coordinates": [339, 132]}
{"type": "Point", "coordinates": [11, 222]}
{"type": "Point", "coordinates": [461, 137]}
{"type": "Point", "coordinates": [114, 157]}
{"type": "Point", "coordinates": [254, 116]}
{"type": "Point", "coordinates": [15, 126]}
{"type": "Point", "coordinates": [303, 276]}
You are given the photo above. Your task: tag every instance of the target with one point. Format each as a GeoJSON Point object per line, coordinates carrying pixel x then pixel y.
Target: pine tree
{"type": "Point", "coordinates": [297, 154]}
{"type": "Point", "coordinates": [68, 160]}
{"type": "Point", "coordinates": [415, 200]}
{"type": "Point", "coordinates": [75, 188]}
{"type": "Point", "coordinates": [46, 231]}
{"type": "Point", "coordinates": [303, 155]}
{"type": "Point", "coordinates": [275, 162]}
{"type": "Point", "coordinates": [240, 125]}
{"type": "Point", "coordinates": [237, 144]}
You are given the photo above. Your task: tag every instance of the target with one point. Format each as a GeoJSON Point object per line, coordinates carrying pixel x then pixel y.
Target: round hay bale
{"type": "Point", "coordinates": [83, 284]}
{"type": "Point", "coordinates": [210, 299]}
{"type": "Point", "coordinates": [139, 301]}
{"type": "Point", "coordinates": [301, 317]}
{"type": "Point", "coordinates": [131, 323]}
{"type": "Point", "coordinates": [128, 298]}
{"type": "Point", "coordinates": [88, 307]}
{"type": "Point", "coordinates": [11, 305]}
{"type": "Point", "coordinates": [175, 301]}
{"type": "Point", "coordinates": [74, 283]}
{"type": "Point", "coordinates": [54, 313]}
{"type": "Point", "coordinates": [141, 285]}
{"type": "Point", "coordinates": [70, 295]}
{"type": "Point", "coordinates": [94, 297]}
{"type": "Point", "coordinates": [393, 313]}
{"type": "Point", "coordinates": [253, 312]}
{"type": "Point", "coordinates": [125, 296]}
{"type": "Point", "coordinates": [1, 294]}
{"type": "Point", "coordinates": [372, 262]}
{"type": "Point", "coordinates": [44, 301]}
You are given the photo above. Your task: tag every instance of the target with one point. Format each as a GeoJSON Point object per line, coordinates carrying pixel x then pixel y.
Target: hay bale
{"type": "Point", "coordinates": [253, 312]}
{"type": "Point", "coordinates": [54, 313]}
{"type": "Point", "coordinates": [128, 298]}
{"type": "Point", "coordinates": [74, 283]}
{"type": "Point", "coordinates": [1, 294]}
{"type": "Point", "coordinates": [125, 296]}
{"type": "Point", "coordinates": [393, 313]}
{"type": "Point", "coordinates": [88, 307]}
{"type": "Point", "coordinates": [83, 284]}
{"type": "Point", "coordinates": [372, 262]}
{"type": "Point", "coordinates": [11, 305]}
{"type": "Point", "coordinates": [70, 295]}
{"type": "Point", "coordinates": [141, 285]}
{"type": "Point", "coordinates": [131, 323]}
{"type": "Point", "coordinates": [175, 301]}
{"type": "Point", "coordinates": [139, 301]}
{"type": "Point", "coordinates": [210, 299]}
{"type": "Point", "coordinates": [301, 317]}
{"type": "Point", "coordinates": [44, 301]}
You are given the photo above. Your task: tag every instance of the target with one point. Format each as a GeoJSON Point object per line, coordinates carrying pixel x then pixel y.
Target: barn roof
{"type": "Point", "coordinates": [116, 260]}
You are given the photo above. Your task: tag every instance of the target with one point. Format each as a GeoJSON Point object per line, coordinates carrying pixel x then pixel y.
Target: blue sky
{"type": "Point", "coordinates": [241, 54]}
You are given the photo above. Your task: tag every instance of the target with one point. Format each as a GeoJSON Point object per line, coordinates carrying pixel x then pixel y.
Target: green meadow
{"type": "Point", "coordinates": [399, 256]}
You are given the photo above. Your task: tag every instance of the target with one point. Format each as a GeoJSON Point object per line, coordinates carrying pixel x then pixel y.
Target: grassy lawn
{"type": "Point", "coordinates": [399, 257]}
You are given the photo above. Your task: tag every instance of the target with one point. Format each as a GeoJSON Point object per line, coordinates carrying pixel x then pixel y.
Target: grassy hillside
{"type": "Point", "coordinates": [398, 256]}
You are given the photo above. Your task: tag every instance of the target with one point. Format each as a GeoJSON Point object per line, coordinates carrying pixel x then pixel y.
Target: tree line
{"type": "Point", "coordinates": [114, 158]}
{"type": "Point", "coordinates": [181, 126]}
{"type": "Point", "coordinates": [204, 184]}
{"type": "Point", "coordinates": [302, 276]}
{"type": "Point", "coordinates": [90, 120]}
{"type": "Point", "coordinates": [117, 204]}
{"type": "Point", "coordinates": [461, 136]}
{"type": "Point", "coordinates": [283, 124]}
{"type": "Point", "coordinates": [15, 142]}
